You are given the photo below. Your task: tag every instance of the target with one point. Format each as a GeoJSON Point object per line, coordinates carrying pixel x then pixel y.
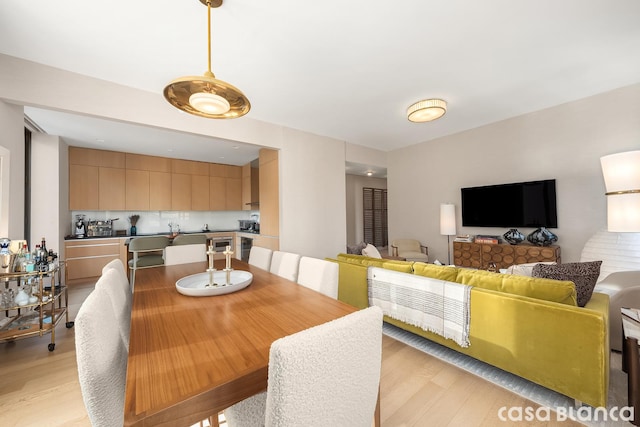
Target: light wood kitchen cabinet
{"type": "Point", "coordinates": [250, 187]}
{"type": "Point", "coordinates": [85, 258]}
{"type": "Point", "coordinates": [109, 180]}
{"type": "Point", "coordinates": [234, 194]}
{"type": "Point", "coordinates": [148, 163]}
{"type": "Point", "coordinates": [111, 189]}
{"type": "Point", "coordinates": [200, 192]}
{"type": "Point", "coordinates": [269, 193]}
{"type": "Point", "coordinates": [159, 191]}
{"type": "Point", "coordinates": [189, 167]}
{"type": "Point", "coordinates": [137, 190]}
{"type": "Point", "coordinates": [91, 157]}
{"type": "Point", "coordinates": [83, 187]}
{"type": "Point", "coordinates": [180, 192]}
{"type": "Point", "coordinates": [96, 179]}
{"type": "Point", "coordinates": [217, 193]}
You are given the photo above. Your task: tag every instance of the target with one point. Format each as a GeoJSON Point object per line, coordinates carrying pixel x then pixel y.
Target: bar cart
{"type": "Point", "coordinates": [33, 304]}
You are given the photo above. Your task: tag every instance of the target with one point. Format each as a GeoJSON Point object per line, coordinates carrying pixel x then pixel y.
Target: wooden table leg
{"type": "Point", "coordinates": [376, 416]}
{"type": "Point", "coordinates": [631, 356]}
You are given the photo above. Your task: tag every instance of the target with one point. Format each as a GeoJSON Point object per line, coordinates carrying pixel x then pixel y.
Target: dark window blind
{"type": "Point", "coordinates": [375, 216]}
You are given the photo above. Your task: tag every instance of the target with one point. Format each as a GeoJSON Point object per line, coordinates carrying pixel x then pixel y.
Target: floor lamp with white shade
{"type": "Point", "coordinates": [621, 173]}
{"type": "Point", "coordinates": [448, 224]}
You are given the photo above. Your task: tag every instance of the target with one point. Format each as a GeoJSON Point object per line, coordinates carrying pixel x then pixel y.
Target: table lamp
{"type": "Point", "coordinates": [448, 223]}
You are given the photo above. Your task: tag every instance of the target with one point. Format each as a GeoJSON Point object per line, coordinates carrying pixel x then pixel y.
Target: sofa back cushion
{"type": "Point", "coordinates": [562, 291]}
{"type": "Point", "coordinates": [403, 266]}
{"type": "Point", "coordinates": [433, 271]}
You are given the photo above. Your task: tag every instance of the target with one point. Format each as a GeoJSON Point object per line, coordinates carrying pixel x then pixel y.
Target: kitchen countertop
{"type": "Point", "coordinates": [163, 234]}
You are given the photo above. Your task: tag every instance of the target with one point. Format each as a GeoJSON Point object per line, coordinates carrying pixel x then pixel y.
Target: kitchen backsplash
{"type": "Point", "coordinates": [158, 221]}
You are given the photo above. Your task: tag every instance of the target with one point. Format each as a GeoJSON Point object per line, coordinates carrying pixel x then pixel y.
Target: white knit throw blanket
{"type": "Point", "coordinates": [434, 305]}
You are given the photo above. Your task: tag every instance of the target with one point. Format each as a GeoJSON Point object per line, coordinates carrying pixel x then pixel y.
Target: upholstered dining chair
{"type": "Point", "coordinates": [285, 265]}
{"type": "Point", "coordinates": [147, 252]}
{"type": "Point", "coordinates": [320, 275]}
{"type": "Point", "coordinates": [185, 253]}
{"type": "Point", "coordinates": [123, 281]}
{"type": "Point", "coordinates": [110, 282]}
{"type": "Point", "coordinates": [410, 249]}
{"type": "Point", "coordinates": [189, 239]}
{"type": "Point", "coordinates": [102, 360]}
{"type": "Point", "coordinates": [260, 257]}
{"type": "Point", "coordinates": [328, 375]}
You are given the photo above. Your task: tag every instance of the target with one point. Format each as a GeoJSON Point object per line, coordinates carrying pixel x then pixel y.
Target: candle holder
{"type": "Point", "coordinates": [227, 253]}
{"type": "Point", "coordinates": [210, 253]}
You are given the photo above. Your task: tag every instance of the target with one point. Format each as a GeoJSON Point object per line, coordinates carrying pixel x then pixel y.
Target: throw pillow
{"type": "Point", "coordinates": [371, 251]}
{"type": "Point", "coordinates": [583, 274]}
{"type": "Point", "coordinates": [356, 249]}
{"type": "Point", "coordinates": [525, 269]}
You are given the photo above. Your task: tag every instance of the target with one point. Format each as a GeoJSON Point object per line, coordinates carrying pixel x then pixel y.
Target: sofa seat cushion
{"type": "Point", "coordinates": [583, 274]}
{"type": "Point", "coordinates": [562, 291]}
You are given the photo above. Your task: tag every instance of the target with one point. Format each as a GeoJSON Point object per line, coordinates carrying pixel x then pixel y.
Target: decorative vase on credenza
{"type": "Point", "coordinates": [513, 236]}
{"type": "Point", "coordinates": [542, 237]}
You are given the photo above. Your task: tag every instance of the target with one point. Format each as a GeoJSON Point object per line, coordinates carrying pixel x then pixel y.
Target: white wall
{"type": "Point", "coordinates": [312, 195]}
{"type": "Point", "coordinates": [49, 205]}
{"type": "Point", "coordinates": [12, 142]}
{"type": "Point", "coordinates": [355, 221]}
{"type": "Point", "coordinates": [311, 224]}
{"type": "Point", "coordinates": [563, 143]}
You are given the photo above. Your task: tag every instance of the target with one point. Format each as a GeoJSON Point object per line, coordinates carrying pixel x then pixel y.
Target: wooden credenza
{"type": "Point", "coordinates": [479, 255]}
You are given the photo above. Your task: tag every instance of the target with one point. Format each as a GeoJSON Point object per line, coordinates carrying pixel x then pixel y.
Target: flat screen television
{"type": "Point", "coordinates": [521, 204]}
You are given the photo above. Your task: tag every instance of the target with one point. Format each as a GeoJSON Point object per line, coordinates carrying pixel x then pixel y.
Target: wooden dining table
{"type": "Point", "coordinates": [192, 357]}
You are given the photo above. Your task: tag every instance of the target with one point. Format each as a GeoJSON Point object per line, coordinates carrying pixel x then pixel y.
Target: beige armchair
{"type": "Point", "coordinates": [410, 249]}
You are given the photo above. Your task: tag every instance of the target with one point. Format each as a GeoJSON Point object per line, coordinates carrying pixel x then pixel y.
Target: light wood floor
{"type": "Point", "coordinates": [40, 388]}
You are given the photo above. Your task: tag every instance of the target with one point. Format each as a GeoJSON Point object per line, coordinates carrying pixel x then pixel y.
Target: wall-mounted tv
{"type": "Point", "coordinates": [522, 204]}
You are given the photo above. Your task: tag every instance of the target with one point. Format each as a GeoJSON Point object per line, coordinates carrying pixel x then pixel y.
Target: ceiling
{"type": "Point", "coordinates": [343, 69]}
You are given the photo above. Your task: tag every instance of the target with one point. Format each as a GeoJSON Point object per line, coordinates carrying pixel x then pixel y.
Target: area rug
{"type": "Point", "coordinates": [534, 392]}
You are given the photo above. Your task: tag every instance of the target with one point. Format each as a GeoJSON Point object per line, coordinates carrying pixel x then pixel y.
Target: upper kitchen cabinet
{"type": "Point", "coordinates": [225, 191]}
{"type": "Point", "coordinates": [109, 180]}
{"type": "Point", "coordinates": [200, 192]}
{"type": "Point", "coordinates": [111, 189]}
{"type": "Point", "coordinates": [148, 182]}
{"type": "Point", "coordinates": [159, 191]}
{"type": "Point", "coordinates": [100, 158]}
{"type": "Point", "coordinates": [83, 187]}
{"type": "Point", "coordinates": [180, 192]}
{"type": "Point", "coordinates": [250, 187]}
{"type": "Point", "coordinates": [269, 193]}
{"type": "Point", "coordinates": [148, 163]}
{"type": "Point", "coordinates": [96, 179]}
{"type": "Point", "coordinates": [137, 191]}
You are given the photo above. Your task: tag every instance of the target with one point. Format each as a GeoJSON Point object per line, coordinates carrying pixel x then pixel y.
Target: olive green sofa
{"type": "Point", "coordinates": [530, 327]}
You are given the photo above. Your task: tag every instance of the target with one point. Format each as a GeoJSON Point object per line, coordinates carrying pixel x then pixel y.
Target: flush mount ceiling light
{"type": "Point", "coordinates": [426, 110]}
{"type": "Point", "coordinates": [207, 96]}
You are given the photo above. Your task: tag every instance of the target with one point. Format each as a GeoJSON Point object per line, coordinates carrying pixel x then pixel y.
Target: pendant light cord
{"type": "Point", "coordinates": [209, 34]}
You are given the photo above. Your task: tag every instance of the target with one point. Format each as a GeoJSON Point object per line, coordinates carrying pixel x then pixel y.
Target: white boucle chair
{"type": "Point", "coordinates": [328, 375]}
{"type": "Point", "coordinates": [285, 265]}
{"type": "Point", "coordinates": [260, 257]}
{"type": "Point", "coordinates": [184, 254]}
{"type": "Point", "coordinates": [123, 281]}
{"type": "Point", "coordinates": [320, 275]}
{"type": "Point", "coordinates": [102, 360]}
{"type": "Point", "coordinates": [110, 282]}
{"type": "Point", "coordinates": [619, 274]}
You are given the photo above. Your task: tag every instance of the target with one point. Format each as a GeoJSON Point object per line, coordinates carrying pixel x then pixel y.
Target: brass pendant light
{"type": "Point", "coordinates": [207, 96]}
